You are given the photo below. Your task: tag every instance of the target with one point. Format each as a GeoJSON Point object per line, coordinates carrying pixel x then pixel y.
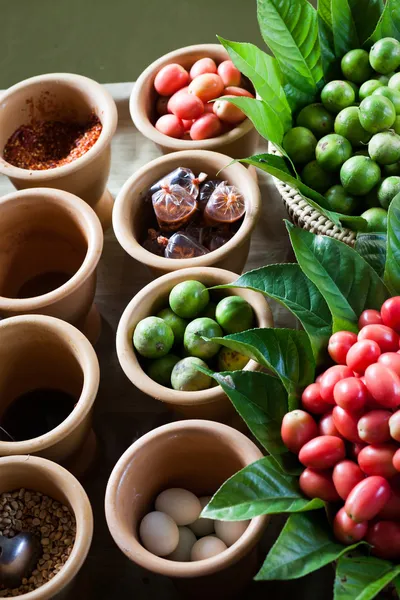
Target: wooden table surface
{"type": "Point", "coordinates": [122, 413]}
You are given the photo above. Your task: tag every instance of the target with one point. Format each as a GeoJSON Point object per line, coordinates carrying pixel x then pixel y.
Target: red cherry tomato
{"type": "Point", "coordinates": [355, 450]}
{"type": "Point", "coordinates": [391, 360]}
{"type": "Point", "coordinates": [377, 459]}
{"type": "Point", "coordinates": [384, 385]}
{"type": "Point", "coordinates": [318, 484]}
{"type": "Point", "coordinates": [339, 345]}
{"type": "Point", "coordinates": [396, 460]}
{"type": "Point", "coordinates": [390, 312]}
{"type": "Point", "coordinates": [346, 475]}
{"type": "Point", "coordinates": [362, 354]}
{"type": "Point", "coordinates": [394, 425]}
{"type": "Point", "coordinates": [312, 402]}
{"type": "Point", "coordinates": [346, 424]}
{"type": "Point", "coordinates": [373, 427]}
{"type": "Point", "coordinates": [323, 452]}
{"type": "Point", "coordinates": [346, 530]}
{"type": "Point", "coordinates": [384, 536]}
{"type": "Point", "coordinates": [298, 428]}
{"type": "Point", "coordinates": [350, 394]}
{"type": "Point", "coordinates": [330, 378]}
{"type": "Point", "coordinates": [386, 338]}
{"type": "Point", "coordinates": [326, 426]}
{"type": "Point", "coordinates": [367, 498]}
{"type": "Point", "coordinates": [369, 317]}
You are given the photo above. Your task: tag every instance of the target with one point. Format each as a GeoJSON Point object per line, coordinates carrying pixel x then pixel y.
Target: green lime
{"type": "Point", "coordinates": [177, 324]}
{"type": "Point", "coordinates": [316, 177]}
{"type": "Point", "coordinates": [394, 82]}
{"type": "Point", "coordinates": [377, 113]}
{"type": "Point", "coordinates": [209, 311]}
{"type": "Point", "coordinates": [337, 95]}
{"type": "Point", "coordinates": [396, 125]}
{"type": "Point", "coordinates": [188, 298]}
{"type": "Point", "coordinates": [371, 199]}
{"type": "Point", "coordinates": [355, 88]}
{"type": "Point", "coordinates": [359, 175]}
{"type": "Point", "coordinates": [388, 189]}
{"type": "Point", "coordinates": [355, 66]}
{"type": "Point", "coordinates": [153, 337]}
{"type": "Point", "coordinates": [234, 314]}
{"type": "Point", "coordinates": [299, 144]}
{"type": "Point", "coordinates": [384, 147]}
{"type": "Point", "coordinates": [368, 88]}
{"type": "Point", "coordinates": [376, 219]}
{"type": "Point", "coordinates": [393, 169]}
{"type": "Point", "coordinates": [340, 201]}
{"type": "Point", "coordinates": [347, 124]}
{"type": "Point", "coordinates": [193, 340]}
{"type": "Point", "coordinates": [332, 151]}
{"type": "Point", "coordinates": [384, 55]}
{"type": "Point", "coordinates": [160, 369]}
{"type": "Point", "coordinates": [393, 95]}
{"type": "Point", "coordinates": [187, 378]}
{"type": "Point", "coordinates": [384, 79]}
{"type": "Point", "coordinates": [316, 118]}
{"type": "Point", "coordinates": [230, 360]}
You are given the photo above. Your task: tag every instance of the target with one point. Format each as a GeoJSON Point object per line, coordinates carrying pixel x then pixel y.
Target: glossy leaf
{"type": "Point", "coordinates": [259, 489]}
{"type": "Point", "coordinates": [345, 35]}
{"type": "Point", "coordinates": [330, 62]}
{"type": "Point", "coordinates": [347, 282]}
{"type": "Point", "coordinates": [372, 247]}
{"type": "Point", "coordinates": [305, 544]}
{"type": "Point", "coordinates": [392, 269]}
{"type": "Point", "coordinates": [263, 118]}
{"type": "Point", "coordinates": [388, 25]}
{"type": "Point", "coordinates": [397, 585]}
{"type": "Point", "coordinates": [366, 15]}
{"type": "Point", "coordinates": [362, 577]}
{"type": "Point", "coordinates": [325, 11]}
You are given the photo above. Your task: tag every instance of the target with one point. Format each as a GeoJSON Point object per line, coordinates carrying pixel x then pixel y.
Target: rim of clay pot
{"type": "Point", "coordinates": [106, 112]}
{"type": "Point", "coordinates": [142, 179]}
{"type": "Point", "coordinates": [144, 84]}
{"type": "Point", "coordinates": [132, 547]}
{"type": "Point", "coordinates": [85, 355]}
{"type": "Point", "coordinates": [83, 516]}
{"type": "Point", "coordinates": [85, 218]}
{"type": "Point", "coordinates": [137, 306]}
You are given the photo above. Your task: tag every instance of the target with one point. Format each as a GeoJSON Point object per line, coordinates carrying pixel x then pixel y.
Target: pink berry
{"type": "Point", "coordinates": [207, 126]}
{"type": "Point", "coordinates": [232, 90]}
{"type": "Point", "coordinates": [201, 66]}
{"type": "Point", "coordinates": [185, 106]}
{"type": "Point", "coordinates": [170, 79]}
{"type": "Point", "coordinates": [209, 107]}
{"type": "Point", "coordinates": [170, 125]}
{"type": "Point", "coordinates": [229, 74]}
{"type": "Point", "coordinates": [227, 112]}
{"type": "Point", "coordinates": [207, 86]}
{"type": "Point", "coordinates": [187, 123]}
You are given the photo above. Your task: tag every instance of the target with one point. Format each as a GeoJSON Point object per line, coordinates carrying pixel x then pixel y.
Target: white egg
{"type": "Point", "coordinates": [159, 533]}
{"type": "Point", "coordinates": [187, 539]}
{"type": "Point", "coordinates": [203, 527]}
{"type": "Point", "coordinates": [230, 531]}
{"type": "Point", "coordinates": [207, 547]}
{"type": "Point", "coordinates": [181, 505]}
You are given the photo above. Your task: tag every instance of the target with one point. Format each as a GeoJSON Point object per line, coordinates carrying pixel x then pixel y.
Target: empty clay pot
{"type": "Point", "coordinates": [240, 142]}
{"type": "Point", "coordinates": [40, 352]}
{"type": "Point", "coordinates": [205, 404]}
{"type": "Point", "coordinates": [198, 456]}
{"type": "Point", "coordinates": [63, 96]}
{"type": "Point", "coordinates": [132, 216]}
{"type": "Point", "coordinates": [50, 244]}
{"type": "Point", "coordinates": [40, 475]}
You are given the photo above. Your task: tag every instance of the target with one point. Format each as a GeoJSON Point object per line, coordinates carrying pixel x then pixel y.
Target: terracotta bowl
{"type": "Point", "coordinates": [39, 352]}
{"type": "Point", "coordinates": [131, 216]}
{"type": "Point", "coordinates": [50, 244]}
{"type": "Point", "coordinates": [44, 476]}
{"type": "Point", "coordinates": [58, 96]}
{"type": "Point", "coordinates": [237, 143]}
{"type": "Point", "coordinates": [195, 455]}
{"type": "Point", "coordinates": [205, 404]}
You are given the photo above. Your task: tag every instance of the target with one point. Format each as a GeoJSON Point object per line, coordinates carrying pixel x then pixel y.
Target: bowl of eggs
{"type": "Point", "coordinates": [171, 103]}
{"type": "Point", "coordinates": [154, 498]}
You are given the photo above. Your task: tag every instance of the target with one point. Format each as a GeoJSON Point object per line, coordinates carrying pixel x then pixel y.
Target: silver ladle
{"type": "Point", "coordinates": [18, 558]}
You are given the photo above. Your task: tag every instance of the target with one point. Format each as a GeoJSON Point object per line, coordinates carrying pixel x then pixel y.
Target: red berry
{"type": "Point", "coordinates": [350, 394]}
{"type": "Point", "coordinates": [330, 378]}
{"type": "Point", "coordinates": [390, 312]}
{"type": "Point", "coordinates": [318, 484]}
{"type": "Point", "coordinates": [312, 402]}
{"type": "Point", "coordinates": [362, 354]}
{"type": "Point", "coordinates": [298, 428]}
{"type": "Point", "coordinates": [339, 344]}
{"type": "Point", "coordinates": [386, 338]}
{"type": "Point", "coordinates": [346, 530]}
{"type": "Point", "coordinates": [370, 317]}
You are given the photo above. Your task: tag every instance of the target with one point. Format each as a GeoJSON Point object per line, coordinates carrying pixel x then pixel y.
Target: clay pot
{"type": "Point", "coordinates": [44, 476]}
{"type": "Point", "coordinates": [39, 352]}
{"type": "Point", "coordinates": [237, 143]}
{"type": "Point", "coordinates": [50, 244]}
{"type": "Point", "coordinates": [205, 404]}
{"type": "Point", "coordinates": [63, 96]}
{"type": "Point", "coordinates": [132, 216]}
{"type": "Point", "coordinates": [198, 456]}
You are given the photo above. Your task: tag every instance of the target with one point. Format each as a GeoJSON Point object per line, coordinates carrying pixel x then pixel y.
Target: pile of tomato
{"type": "Point", "coordinates": [348, 434]}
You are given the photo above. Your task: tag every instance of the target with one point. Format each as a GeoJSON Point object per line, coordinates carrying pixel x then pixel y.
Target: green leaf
{"type": "Point", "coordinates": [286, 352]}
{"type": "Point", "coordinates": [305, 545]}
{"type": "Point", "coordinates": [397, 585]}
{"type": "Point", "coordinates": [346, 281]}
{"type": "Point", "coordinates": [392, 269]}
{"type": "Point", "coordinates": [345, 35]}
{"type": "Point", "coordinates": [388, 25]}
{"type": "Point", "coordinates": [263, 71]}
{"type": "Point", "coordinates": [259, 489]}
{"type": "Point", "coordinates": [362, 577]}
{"type": "Point", "coordinates": [366, 15]}
{"type": "Point", "coordinates": [289, 28]}
{"type": "Point", "coordinates": [330, 62]}
{"type": "Point", "coordinates": [263, 118]}
{"type": "Point", "coordinates": [372, 247]}
{"type": "Point", "coordinates": [288, 285]}
{"type": "Point", "coordinates": [325, 11]}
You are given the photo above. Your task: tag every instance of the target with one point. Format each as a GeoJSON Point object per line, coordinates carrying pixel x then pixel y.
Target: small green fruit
{"type": "Point", "coordinates": [230, 360]}
{"type": "Point", "coordinates": [368, 88]}
{"type": "Point", "coordinates": [188, 298]}
{"type": "Point", "coordinates": [341, 201]}
{"type": "Point", "coordinates": [337, 95]}
{"type": "Point", "coordinates": [177, 324]}
{"type": "Point", "coordinates": [332, 151]}
{"type": "Point", "coordinates": [359, 175]}
{"type": "Point", "coordinates": [394, 82]}
{"type": "Point", "coordinates": [316, 118]}
{"type": "Point", "coordinates": [193, 339]}
{"type": "Point", "coordinates": [160, 369]}
{"type": "Point", "coordinates": [347, 124]}
{"type": "Point", "coordinates": [376, 219]}
{"type": "Point", "coordinates": [377, 113]}
{"type": "Point", "coordinates": [153, 337]}
{"type": "Point", "coordinates": [300, 143]}
{"type": "Point", "coordinates": [234, 314]}
{"type": "Point", "coordinates": [389, 170]}
{"type": "Point", "coordinates": [393, 95]}
{"type": "Point", "coordinates": [316, 177]}
{"type": "Point", "coordinates": [355, 66]}
{"type": "Point", "coordinates": [187, 378]}
{"type": "Point", "coordinates": [384, 147]}
{"type": "Point", "coordinates": [384, 55]}
{"type": "Point", "coordinates": [387, 190]}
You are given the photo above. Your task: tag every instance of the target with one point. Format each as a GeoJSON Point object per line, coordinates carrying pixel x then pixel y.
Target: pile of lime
{"type": "Point", "coordinates": [348, 145]}
{"type": "Point", "coordinates": [173, 341]}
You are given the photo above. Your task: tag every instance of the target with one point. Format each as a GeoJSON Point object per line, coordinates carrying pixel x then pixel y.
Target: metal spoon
{"type": "Point", "coordinates": [18, 558]}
